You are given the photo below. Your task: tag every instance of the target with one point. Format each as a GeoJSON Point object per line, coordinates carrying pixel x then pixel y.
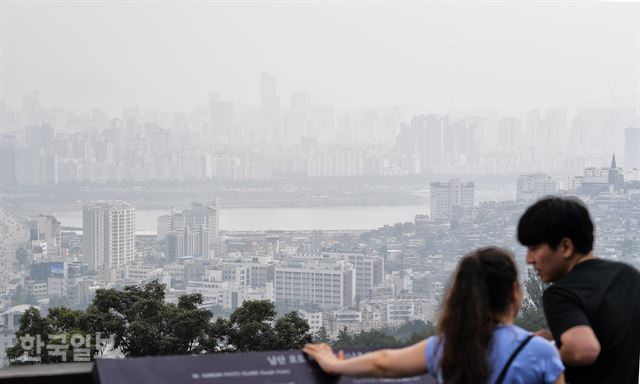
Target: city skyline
{"type": "Point", "coordinates": [164, 162]}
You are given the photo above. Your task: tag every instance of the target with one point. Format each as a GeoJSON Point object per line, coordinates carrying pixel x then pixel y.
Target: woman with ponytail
{"type": "Point", "coordinates": [476, 343]}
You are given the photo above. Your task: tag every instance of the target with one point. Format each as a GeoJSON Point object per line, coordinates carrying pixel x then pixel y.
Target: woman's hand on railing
{"type": "Point", "coordinates": [323, 354]}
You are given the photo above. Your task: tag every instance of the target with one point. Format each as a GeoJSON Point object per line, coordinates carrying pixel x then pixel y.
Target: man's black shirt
{"type": "Point", "coordinates": [605, 296]}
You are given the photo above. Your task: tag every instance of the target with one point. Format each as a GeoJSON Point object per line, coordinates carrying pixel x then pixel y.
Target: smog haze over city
{"type": "Point", "coordinates": [238, 150]}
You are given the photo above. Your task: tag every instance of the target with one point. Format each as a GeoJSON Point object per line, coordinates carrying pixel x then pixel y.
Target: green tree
{"type": "Point", "coordinates": [254, 311]}
{"type": "Point", "coordinates": [32, 325]}
{"type": "Point", "coordinates": [187, 326]}
{"type": "Point", "coordinates": [144, 325]}
{"type": "Point", "coordinates": [249, 328]}
{"type": "Point", "coordinates": [292, 332]}
{"type": "Point", "coordinates": [534, 287]}
{"type": "Point", "coordinates": [531, 316]}
{"type": "Point", "coordinates": [137, 318]}
{"type": "Point", "coordinates": [61, 319]}
{"type": "Point", "coordinates": [408, 333]}
{"type": "Point", "coordinates": [344, 339]}
{"type": "Point", "coordinates": [217, 336]}
{"type": "Point", "coordinates": [322, 336]}
{"type": "Point", "coordinates": [58, 301]}
{"type": "Point", "coordinates": [374, 337]}
{"type": "Point", "coordinates": [414, 331]}
{"type": "Point", "coordinates": [140, 323]}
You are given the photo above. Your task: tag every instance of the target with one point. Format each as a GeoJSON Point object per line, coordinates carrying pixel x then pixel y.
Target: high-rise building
{"type": "Point", "coordinates": [47, 229]}
{"type": "Point", "coordinates": [28, 169]}
{"type": "Point", "coordinates": [108, 240]}
{"type": "Point", "coordinates": [35, 167]}
{"type": "Point", "coordinates": [186, 241]}
{"type": "Point", "coordinates": [194, 218]}
{"type": "Point", "coordinates": [32, 111]}
{"type": "Point", "coordinates": [424, 137]}
{"type": "Point", "coordinates": [269, 101]}
{"type": "Point", "coordinates": [509, 131]}
{"type": "Point", "coordinates": [632, 147]}
{"type": "Point", "coordinates": [369, 270]}
{"type": "Point", "coordinates": [557, 128]}
{"type": "Point", "coordinates": [220, 116]}
{"type": "Point", "coordinates": [163, 226]}
{"type": "Point", "coordinates": [550, 130]}
{"type": "Point", "coordinates": [447, 197]}
{"type": "Point", "coordinates": [535, 186]}
{"type": "Point", "coordinates": [40, 137]}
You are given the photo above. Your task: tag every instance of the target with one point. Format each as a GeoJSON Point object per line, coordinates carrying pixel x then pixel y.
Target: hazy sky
{"type": "Point", "coordinates": [437, 55]}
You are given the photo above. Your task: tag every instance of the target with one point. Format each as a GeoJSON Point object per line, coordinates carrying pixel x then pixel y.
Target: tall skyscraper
{"type": "Point", "coordinates": [195, 218]}
{"type": "Point", "coordinates": [424, 138]}
{"type": "Point", "coordinates": [108, 240]}
{"type": "Point", "coordinates": [552, 130]}
{"type": "Point", "coordinates": [31, 109]}
{"type": "Point", "coordinates": [557, 128]}
{"type": "Point", "coordinates": [447, 197]}
{"type": "Point", "coordinates": [47, 228]}
{"type": "Point", "coordinates": [40, 137]}
{"type": "Point", "coordinates": [632, 147]}
{"type": "Point", "coordinates": [221, 117]}
{"type": "Point", "coordinates": [184, 242]}
{"type": "Point", "coordinates": [534, 126]}
{"type": "Point", "coordinates": [27, 167]}
{"type": "Point", "coordinates": [269, 101]}
{"type": "Point", "coordinates": [509, 131]}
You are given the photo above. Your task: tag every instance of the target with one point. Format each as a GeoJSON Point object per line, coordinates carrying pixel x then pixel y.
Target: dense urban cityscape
{"type": "Point", "coordinates": [362, 279]}
{"type": "Point", "coordinates": [232, 141]}
{"type": "Point", "coordinates": [282, 191]}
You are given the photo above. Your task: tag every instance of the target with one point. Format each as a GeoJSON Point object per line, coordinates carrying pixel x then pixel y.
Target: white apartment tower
{"type": "Point", "coordinates": [48, 229]}
{"type": "Point", "coordinates": [196, 218]}
{"type": "Point", "coordinates": [447, 197]}
{"type": "Point", "coordinates": [108, 240]}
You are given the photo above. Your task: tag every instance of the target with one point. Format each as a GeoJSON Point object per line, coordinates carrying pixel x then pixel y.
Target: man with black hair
{"type": "Point", "coordinates": [593, 305]}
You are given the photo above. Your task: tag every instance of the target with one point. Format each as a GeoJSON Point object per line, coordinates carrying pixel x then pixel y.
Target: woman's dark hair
{"type": "Point", "coordinates": [482, 289]}
{"type": "Point", "coordinates": [551, 219]}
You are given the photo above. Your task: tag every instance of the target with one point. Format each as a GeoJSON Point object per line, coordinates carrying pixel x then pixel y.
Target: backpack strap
{"type": "Point", "coordinates": [515, 353]}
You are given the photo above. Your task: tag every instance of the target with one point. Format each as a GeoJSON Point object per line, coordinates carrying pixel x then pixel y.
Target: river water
{"type": "Point", "coordinates": [307, 218]}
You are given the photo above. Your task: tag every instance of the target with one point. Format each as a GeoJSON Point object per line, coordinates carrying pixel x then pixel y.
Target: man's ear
{"type": "Point", "coordinates": [566, 246]}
